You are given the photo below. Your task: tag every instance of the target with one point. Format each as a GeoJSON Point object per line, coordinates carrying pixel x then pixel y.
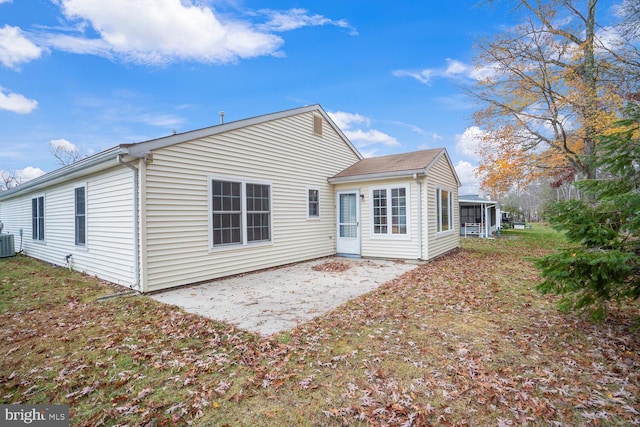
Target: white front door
{"type": "Point", "coordinates": [348, 240]}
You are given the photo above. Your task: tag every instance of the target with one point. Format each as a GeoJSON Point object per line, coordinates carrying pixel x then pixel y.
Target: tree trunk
{"type": "Point", "coordinates": [591, 91]}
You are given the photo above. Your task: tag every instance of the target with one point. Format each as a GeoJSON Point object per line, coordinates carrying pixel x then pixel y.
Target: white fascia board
{"type": "Point", "coordinates": [97, 162]}
{"type": "Point", "coordinates": [141, 148]}
{"type": "Point", "coordinates": [377, 176]}
{"type": "Point", "coordinates": [477, 202]}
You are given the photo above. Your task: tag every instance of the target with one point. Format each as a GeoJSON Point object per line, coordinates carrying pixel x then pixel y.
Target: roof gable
{"type": "Point", "coordinates": [140, 148]}
{"type": "Point", "coordinates": [404, 162]}
{"type": "Point", "coordinates": [394, 165]}
{"type": "Point", "coordinates": [113, 156]}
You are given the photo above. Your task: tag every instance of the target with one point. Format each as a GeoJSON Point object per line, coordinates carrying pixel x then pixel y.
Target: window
{"type": "Point", "coordinates": [389, 211]}
{"type": "Point", "coordinates": [313, 203]}
{"type": "Point", "coordinates": [470, 214]}
{"type": "Point", "coordinates": [241, 212]}
{"type": "Point", "coordinates": [444, 210]}
{"type": "Point", "coordinates": [380, 211]}
{"type": "Point", "coordinates": [398, 211]}
{"type": "Point", "coordinates": [37, 218]}
{"type": "Point", "coordinates": [258, 207]}
{"type": "Point", "coordinates": [317, 125]}
{"type": "Point", "coordinates": [227, 212]}
{"type": "Point", "coordinates": [81, 216]}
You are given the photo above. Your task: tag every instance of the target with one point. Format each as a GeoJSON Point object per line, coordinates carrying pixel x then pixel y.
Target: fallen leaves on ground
{"type": "Point", "coordinates": [462, 340]}
{"type": "Point", "coordinates": [332, 266]}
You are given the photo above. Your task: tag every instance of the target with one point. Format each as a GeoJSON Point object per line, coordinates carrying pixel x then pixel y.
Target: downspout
{"type": "Point", "coordinates": [415, 177]}
{"type": "Point", "coordinates": [136, 250]}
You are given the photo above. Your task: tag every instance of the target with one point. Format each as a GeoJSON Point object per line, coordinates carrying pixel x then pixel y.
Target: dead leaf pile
{"type": "Point", "coordinates": [332, 266]}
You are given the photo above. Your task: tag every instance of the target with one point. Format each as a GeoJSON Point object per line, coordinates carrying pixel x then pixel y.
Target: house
{"type": "Point", "coordinates": [237, 197]}
{"type": "Point", "coordinates": [405, 203]}
{"type": "Point", "coordinates": [479, 216]}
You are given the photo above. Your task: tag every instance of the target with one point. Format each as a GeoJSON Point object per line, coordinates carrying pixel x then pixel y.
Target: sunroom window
{"type": "Point", "coordinates": [444, 210]}
{"type": "Point", "coordinates": [389, 211]}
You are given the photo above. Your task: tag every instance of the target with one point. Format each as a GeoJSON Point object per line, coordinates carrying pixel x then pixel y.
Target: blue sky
{"type": "Point", "coordinates": [96, 73]}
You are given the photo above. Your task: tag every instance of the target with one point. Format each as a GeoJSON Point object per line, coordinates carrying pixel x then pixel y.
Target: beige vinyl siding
{"type": "Point", "coordinates": [394, 246]}
{"type": "Point", "coordinates": [108, 253]}
{"type": "Point", "coordinates": [284, 153]}
{"type": "Point", "coordinates": [15, 214]}
{"type": "Point", "coordinates": [440, 176]}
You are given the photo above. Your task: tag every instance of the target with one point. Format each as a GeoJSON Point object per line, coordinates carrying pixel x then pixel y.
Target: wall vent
{"type": "Point", "coordinates": [7, 247]}
{"type": "Point", "coordinates": [317, 125]}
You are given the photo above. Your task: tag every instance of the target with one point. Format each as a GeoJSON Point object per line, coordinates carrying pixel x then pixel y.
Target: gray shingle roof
{"type": "Point", "coordinates": [413, 161]}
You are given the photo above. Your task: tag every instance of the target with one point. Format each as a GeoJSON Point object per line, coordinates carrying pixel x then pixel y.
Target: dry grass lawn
{"type": "Point", "coordinates": [462, 340]}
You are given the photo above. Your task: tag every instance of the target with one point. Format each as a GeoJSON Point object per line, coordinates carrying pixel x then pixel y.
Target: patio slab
{"type": "Point", "coordinates": [275, 300]}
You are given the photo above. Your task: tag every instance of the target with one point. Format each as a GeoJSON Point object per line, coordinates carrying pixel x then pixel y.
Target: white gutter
{"type": "Point", "coordinates": [82, 167]}
{"type": "Point", "coordinates": [376, 176]}
{"type": "Point", "coordinates": [420, 222]}
{"type": "Point", "coordinates": [136, 227]}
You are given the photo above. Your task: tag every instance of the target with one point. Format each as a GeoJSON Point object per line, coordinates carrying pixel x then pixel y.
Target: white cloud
{"type": "Point", "coordinates": [467, 142]}
{"type": "Point", "coordinates": [78, 45]}
{"type": "Point", "coordinates": [484, 72]}
{"type": "Point", "coordinates": [161, 31]}
{"type": "Point", "coordinates": [415, 129]}
{"type": "Point", "coordinates": [456, 102]}
{"type": "Point", "coordinates": [453, 69]}
{"type": "Point", "coordinates": [15, 48]}
{"type": "Point", "coordinates": [361, 137]}
{"type": "Point", "coordinates": [346, 120]}
{"type": "Point", "coordinates": [297, 18]}
{"type": "Point", "coordinates": [369, 153]}
{"type": "Point", "coordinates": [609, 39]}
{"type": "Point", "coordinates": [466, 173]}
{"type": "Point", "coordinates": [16, 103]}
{"type": "Point", "coordinates": [160, 120]}
{"type": "Point", "coordinates": [423, 76]}
{"type": "Point", "coordinates": [63, 144]}
{"type": "Point", "coordinates": [368, 137]}
{"type": "Point", "coordinates": [5, 1]}
{"type": "Point", "coordinates": [28, 173]}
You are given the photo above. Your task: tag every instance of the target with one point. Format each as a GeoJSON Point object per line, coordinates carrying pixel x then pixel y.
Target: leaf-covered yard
{"type": "Point", "coordinates": [463, 340]}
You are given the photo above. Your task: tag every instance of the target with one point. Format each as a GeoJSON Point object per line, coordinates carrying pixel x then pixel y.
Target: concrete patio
{"type": "Point", "coordinates": [278, 299]}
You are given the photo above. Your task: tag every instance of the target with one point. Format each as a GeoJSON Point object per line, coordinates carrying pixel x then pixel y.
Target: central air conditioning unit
{"type": "Point", "coordinates": [7, 247]}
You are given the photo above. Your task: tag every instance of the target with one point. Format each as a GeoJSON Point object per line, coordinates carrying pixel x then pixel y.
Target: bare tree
{"type": "Point", "coordinates": [65, 152]}
{"type": "Point", "coordinates": [551, 84]}
{"type": "Point", "coordinates": [9, 180]}
{"type": "Point", "coordinates": [630, 13]}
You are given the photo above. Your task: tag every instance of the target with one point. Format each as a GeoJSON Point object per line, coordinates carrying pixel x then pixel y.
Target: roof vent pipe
{"type": "Point", "coordinates": [221, 117]}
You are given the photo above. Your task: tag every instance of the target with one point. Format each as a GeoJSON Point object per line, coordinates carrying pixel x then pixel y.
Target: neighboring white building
{"type": "Point", "coordinates": [233, 198]}
{"type": "Point", "coordinates": [478, 216]}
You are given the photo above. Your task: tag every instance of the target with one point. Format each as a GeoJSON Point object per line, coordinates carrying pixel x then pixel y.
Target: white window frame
{"type": "Point", "coordinates": [439, 230]}
{"type": "Point", "coordinates": [41, 230]}
{"type": "Point", "coordinates": [75, 217]}
{"type": "Point", "coordinates": [309, 216]}
{"type": "Point", "coordinates": [244, 243]}
{"type": "Point", "coordinates": [389, 234]}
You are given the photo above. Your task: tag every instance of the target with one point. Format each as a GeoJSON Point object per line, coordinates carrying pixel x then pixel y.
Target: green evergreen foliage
{"type": "Point", "coordinates": [602, 263]}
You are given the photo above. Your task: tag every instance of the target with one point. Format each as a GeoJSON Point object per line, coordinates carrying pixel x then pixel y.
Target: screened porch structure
{"type": "Point", "coordinates": [479, 217]}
